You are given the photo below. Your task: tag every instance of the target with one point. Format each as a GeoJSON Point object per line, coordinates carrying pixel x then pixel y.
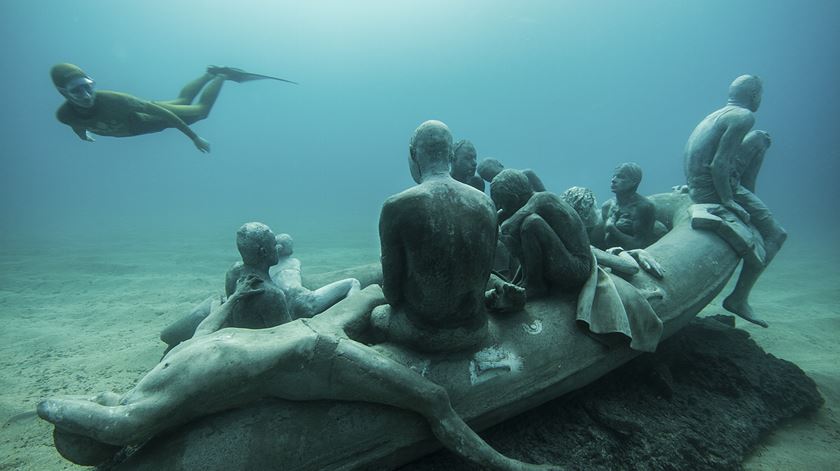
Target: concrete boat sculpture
{"type": "Point", "coordinates": [536, 355]}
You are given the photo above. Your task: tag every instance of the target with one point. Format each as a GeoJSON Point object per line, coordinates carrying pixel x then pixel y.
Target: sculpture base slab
{"type": "Point", "coordinates": [701, 402]}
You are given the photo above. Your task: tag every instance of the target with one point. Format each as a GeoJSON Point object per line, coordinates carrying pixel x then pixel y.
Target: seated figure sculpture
{"type": "Point", "coordinates": [463, 165]}
{"type": "Point", "coordinates": [629, 218]}
{"type": "Point", "coordinates": [435, 304]}
{"type": "Point", "coordinates": [544, 233]}
{"type": "Point", "coordinates": [718, 162]}
{"type": "Point", "coordinates": [489, 168]}
{"type": "Point", "coordinates": [307, 359]}
{"type": "Point", "coordinates": [304, 302]}
{"type": "Point", "coordinates": [622, 262]}
{"type": "Point", "coordinates": [256, 244]}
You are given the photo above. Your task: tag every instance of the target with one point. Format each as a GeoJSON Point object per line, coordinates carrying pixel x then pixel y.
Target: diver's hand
{"type": "Point", "coordinates": [201, 144]}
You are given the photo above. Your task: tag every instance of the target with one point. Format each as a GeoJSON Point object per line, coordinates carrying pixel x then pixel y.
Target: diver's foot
{"type": "Point", "coordinates": [743, 310]}
{"type": "Point", "coordinates": [229, 73]}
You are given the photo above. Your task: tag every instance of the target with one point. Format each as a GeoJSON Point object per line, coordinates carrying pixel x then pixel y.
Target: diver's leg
{"type": "Point", "coordinates": [359, 373]}
{"type": "Point", "coordinates": [190, 90]}
{"type": "Point", "coordinates": [193, 113]}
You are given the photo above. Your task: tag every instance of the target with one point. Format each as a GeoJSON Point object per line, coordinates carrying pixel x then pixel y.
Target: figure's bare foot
{"type": "Point", "coordinates": [743, 310]}
{"type": "Point", "coordinates": [505, 298]}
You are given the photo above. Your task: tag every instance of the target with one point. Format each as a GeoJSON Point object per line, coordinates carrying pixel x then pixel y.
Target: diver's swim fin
{"type": "Point", "coordinates": [239, 75]}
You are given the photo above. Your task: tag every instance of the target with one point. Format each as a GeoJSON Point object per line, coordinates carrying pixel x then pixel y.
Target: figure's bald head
{"type": "Point", "coordinates": [489, 168]}
{"type": "Point", "coordinates": [256, 244]}
{"type": "Point", "coordinates": [746, 91]}
{"type": "Point", "coordinates": [431, 140]}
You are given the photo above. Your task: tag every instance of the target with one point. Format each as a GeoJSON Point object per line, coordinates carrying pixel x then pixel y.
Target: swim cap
{"type": "Point", "coordinates": [63, 73]}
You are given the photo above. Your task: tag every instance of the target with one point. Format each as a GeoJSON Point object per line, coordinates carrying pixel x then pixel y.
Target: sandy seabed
{"type": "Point", "coordinates": [80, 318]}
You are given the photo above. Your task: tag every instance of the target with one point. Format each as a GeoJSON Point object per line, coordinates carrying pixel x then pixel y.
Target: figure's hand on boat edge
{"type": "Point", "coordinates": [646, 262]}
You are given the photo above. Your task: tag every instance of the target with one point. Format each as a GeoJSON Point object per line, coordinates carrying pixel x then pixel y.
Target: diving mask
{"type": "Point", "coordinates": [80, 91]}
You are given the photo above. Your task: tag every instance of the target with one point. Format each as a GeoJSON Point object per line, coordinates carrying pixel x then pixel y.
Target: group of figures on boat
{"type": "Point", "coordinates": [452, 260]}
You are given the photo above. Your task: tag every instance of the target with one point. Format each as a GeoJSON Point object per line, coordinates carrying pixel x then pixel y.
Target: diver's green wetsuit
{"type": "Point", "coordinates": [108, 113]}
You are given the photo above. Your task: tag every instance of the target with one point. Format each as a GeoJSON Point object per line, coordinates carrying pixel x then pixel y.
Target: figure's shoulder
{"type": "Point", "coordinates": [735, 114]}
{"type": "Point", "coordinates": [110, 97]}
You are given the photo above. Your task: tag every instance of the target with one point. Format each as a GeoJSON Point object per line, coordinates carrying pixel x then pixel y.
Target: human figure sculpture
{"type": "Point", "coordinates": [489, 168]}
{"type": "Point", "coordinates": [437, 242]}
{"type": "Point", "coordinates": [256, 244]}
{"type": "Point", "coordinates": [116, 114]}
{"type": "Point", "coordinates": [713, 153]}
{"type": "Point", "coordinates": [621, 262]}
{"type": "Point", "coordinates": [544, 233]}
{"type": "Point", "coordinates": [304, 302]}
{"type": "Point", "coordinates": [308, 359]}
{"type": "Point", "coordinates": [629, 218]}
{"type": "Point", "coordinates": [463, 165]}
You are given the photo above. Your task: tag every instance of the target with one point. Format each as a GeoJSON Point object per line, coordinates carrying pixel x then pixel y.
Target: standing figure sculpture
{"type": "Point", "coordinates": [463, 165]}
{"type": "Point", "coordinates": [308, 359]}
{"type": "Point", "coordinates": [544, 233]}
{"type": "Point", "coordinates": [712, 155]}
{"type": "Point", "coordinates": [437, 241]}
{"type": "Point", "coordinates": [116, 114]}
{"type": "Point", "coordinates": [629, 218]}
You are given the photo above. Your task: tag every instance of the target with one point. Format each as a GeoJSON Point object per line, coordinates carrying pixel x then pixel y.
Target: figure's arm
{"type": "Point", "coordinates": [83, 134]}
{"type": "Point", "coordinates": [174, 121]}
{"type": "Point", "coordinates": [245, 287]}
{"type": "Point", "coordinates": [723, 164]}
{"type": "Point", "coordinates": [393, 253]}
{"type": "Point", "coordinates": [620, 265]}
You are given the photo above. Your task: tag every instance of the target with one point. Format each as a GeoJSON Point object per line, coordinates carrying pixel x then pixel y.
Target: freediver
{"type": "Point", "coordinates": [116, 114]}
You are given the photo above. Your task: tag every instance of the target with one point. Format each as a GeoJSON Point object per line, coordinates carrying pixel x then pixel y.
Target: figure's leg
{"type": "Point", "coordinates": [547, 260]}
{"type": "Point", "coordinates": [738, 302]}
{"type": "Point", "coordinates": [359, 373]}
{"type": "Point", "coordinates": [751, 169]}
{"type": "Point", "coordinates": [324, 297]}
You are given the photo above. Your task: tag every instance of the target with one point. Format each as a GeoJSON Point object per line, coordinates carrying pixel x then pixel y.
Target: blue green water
{"type": "Point", "coordinates": [567, 88]}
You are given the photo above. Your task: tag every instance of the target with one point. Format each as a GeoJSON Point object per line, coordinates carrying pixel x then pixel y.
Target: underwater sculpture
{"type": "Point", "coordinates": [544, 233]}
{"type": "Point", "coordinates": [629, 218]}
{"type": "Point", "coordinates": [275, 269]}
{"type": "Point", "coordinates": [489, 168]}
{"type": "Point", "coordinates": [262, 382]}
{"type": "Point", "coordinates": [304, 302]}
{"type": "Point", "coordinates": [433, 303]}
{"type": "Point", "coordinates": [530, 356]}
{"type": "Point", "coordinates": [718, 161]}
{"type": "Point", "coordinates": [306, 360]}
{"type": "Point", "coordinates": [463, 165]}
{"type": "Point", "coordinates": [266, 308]}
{"type": "Point", "coordinates": [108, 113]}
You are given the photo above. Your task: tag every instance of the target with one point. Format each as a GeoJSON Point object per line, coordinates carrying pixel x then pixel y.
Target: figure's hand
{"type": "Point", "coordinates": [614, 250]}
{"type": "Point", "coordinates": [738, 210]}
{"type": "Point", "coordinates": [248, 286]}
{"type": "Point", "coordinates": [505, 298]}
{"type": "Point", "coordinates": [680, 189]}
{"type": "Point", "coordinates": [201, 144]}
{"type": "Point", "coordinates": [647, 262]}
